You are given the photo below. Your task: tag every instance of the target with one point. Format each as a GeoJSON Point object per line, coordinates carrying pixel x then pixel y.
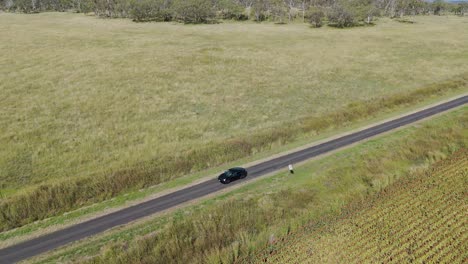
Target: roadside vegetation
{"type": "Point", "coordinates": [238, 225]}
{"type": "Point", "coordinates": [421, 218]}
{"type": "Point", "coordinates": [112, 106]}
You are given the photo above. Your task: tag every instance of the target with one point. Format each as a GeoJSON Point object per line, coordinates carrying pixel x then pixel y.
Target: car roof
{"type": "Point", "coordinates": [237, 169]}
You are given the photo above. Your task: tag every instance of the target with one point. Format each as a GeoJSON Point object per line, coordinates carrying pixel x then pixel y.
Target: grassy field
{"type": "Point", "coordinates": [96, 106]}
{"type": "Point", "coordinates": [421, 219]}
{"type": "Point", "coordinates": [238, 223]}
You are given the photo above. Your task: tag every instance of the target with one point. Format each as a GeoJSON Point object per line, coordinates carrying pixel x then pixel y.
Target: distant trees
{"type": "Point", "coordinates": [260, 9]}
{"type": "Point", "coordinates": [278, 10]}
{"type": "Point", "coordinates": [150, 10]}
{"type": "Point", "coordinates": [227, 9]}
{"type": "Point", "coordinates": [399, 8]}
{"type": "Point", "coordinates": [193, 11]}
{"type": "Point", "coordinates": [459, 8]}
{"type": "Point", "coordinates": [315, 16]}
{"type": "Point", "coordinates": [339, 13]}
{"type": "Point", "coordinates": [35, 6]}
{"type": "Point", "coordinates": [112, 8]}
{"type": "Point", "coordinates": [438, 6]}
{"type": "Point", "coordinates": [340, 17]}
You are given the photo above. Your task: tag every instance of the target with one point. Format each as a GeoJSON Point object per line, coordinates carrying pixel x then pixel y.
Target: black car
{"type": "Point", "coordinates": [232, 174]}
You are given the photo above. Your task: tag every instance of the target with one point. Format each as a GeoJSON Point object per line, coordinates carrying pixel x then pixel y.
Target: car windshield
{"type": "Point", "coordinates": [228, 173]}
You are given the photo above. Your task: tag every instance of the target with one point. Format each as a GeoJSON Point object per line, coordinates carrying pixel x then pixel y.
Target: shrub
{"type": "Point", "coordinates": [458, 8]}
{"type": "Point", "coordinates": [24, 6]}
{"type": "Point", "coordinates": [194, 11]}
{"type": "Point", "coordinates": [260, 10]}
{"type": "Point", "coordinates": [361, 10]}
{"type": "Point", "coordinates": [227, 9]}
{"type": "Point", "coordinates": [150, 10]}
{"type": "Point", "coordinates": [111, 8]}
{"type": "Point", "coordinates": [315, 17]}
{"type": "Point", "coordinates": [438, 6]}
{"type": "Point", "coordinates": [278, 11]}
{"type": "Point", "coordinates": [84, 6]}
{"type": "Point", "coordinates": [340, 17]}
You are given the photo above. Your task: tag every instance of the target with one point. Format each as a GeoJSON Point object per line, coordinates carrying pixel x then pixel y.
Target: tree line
{"type": "Point", "coordinates": [341, 13]}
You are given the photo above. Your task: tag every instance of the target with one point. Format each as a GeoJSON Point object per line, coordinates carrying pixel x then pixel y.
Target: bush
{"type": "Point", "coordinates": [315, 17]}
{"type": "Point", "coordinates": [279, 11]}
{"type": "Point", "coordinates": [260, 10]}
{"type": "Point", "coordinates": [228, 9]}
{"type": "Point", "coordinates": [84, 6]}
{"type": "Point", "coordinates": [194, 11]}
{"type": "Point", "coordinates": [111, 8]}
{"type": "Point", "coordinates": [458, 8]}
{"type": "Point", "coordinates": [149, 10]}
{"type": "Point", "coordinates": [361, 10]}
{"type": "Point", "coordinates": [24, 6]}
{"type": "Point", "coordinates": [438, 6]}
{"type": "Point", "coordinates": [340, 17]}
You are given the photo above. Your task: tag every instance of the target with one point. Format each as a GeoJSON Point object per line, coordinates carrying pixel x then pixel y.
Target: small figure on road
{"type": "Point", "coordinates": [291, 169]}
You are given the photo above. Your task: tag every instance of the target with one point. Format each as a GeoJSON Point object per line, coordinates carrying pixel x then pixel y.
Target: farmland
{"type": "Point", "coordinates": [93, 108]}
{"type": "Point", "coordinates": [420, 219]}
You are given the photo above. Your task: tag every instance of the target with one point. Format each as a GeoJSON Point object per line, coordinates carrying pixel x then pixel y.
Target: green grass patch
{"type": "Point", "coordinates": [238, 223]}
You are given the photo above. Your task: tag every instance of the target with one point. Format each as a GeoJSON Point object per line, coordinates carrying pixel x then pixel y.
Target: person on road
{"type": "Point", "coordinates": [291, 169]}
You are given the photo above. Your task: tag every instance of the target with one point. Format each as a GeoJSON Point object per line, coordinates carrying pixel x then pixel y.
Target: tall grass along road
{"type": "Point", "coordinates": [48, 242]}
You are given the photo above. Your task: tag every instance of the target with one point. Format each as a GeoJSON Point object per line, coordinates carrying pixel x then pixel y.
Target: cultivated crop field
{"type": "Point", "coordinates": [420, 219]}
{"type": "Point", "coordinates": [92, 108]}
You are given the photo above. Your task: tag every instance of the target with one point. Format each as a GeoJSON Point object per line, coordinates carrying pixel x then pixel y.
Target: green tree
{"type": "Point", "coordinates": [278, 10]}
{"type": "Point", "coordinates": [340, 17]}
{"type": "Point", "coordinates": [194, 11]}
{"type": "Point", "coordinates": [360, 10]}
{"type": "Point", "coordinates": [260, 9]}
{"type": "Point", "coordinates": [228, 9]}
{"type": "Point", "coordinates": [315, 16]}
{"type": "Point", "coordinates": [84, 6]}
{"type": "Point", "coordinates": [459, 8]}
{"type": "Point", "coordinates": [150, 10]}
{"type": "Point", "coordinates": [112, 8]}
{"type": "Point", "coordinates": [438, 6]}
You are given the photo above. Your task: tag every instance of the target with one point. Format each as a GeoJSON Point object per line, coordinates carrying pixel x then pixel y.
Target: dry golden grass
{"type": "Point", "coordinates": [82, 95]}
{"type": "Point", "coordinates": [92, 108]}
